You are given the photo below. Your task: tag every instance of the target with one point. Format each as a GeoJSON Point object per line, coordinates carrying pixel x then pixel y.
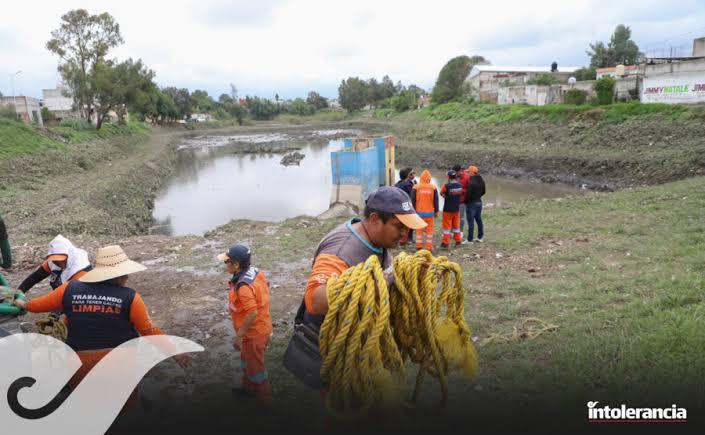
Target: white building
{"type": "Point", "coordinates": [485, 80]}
{"type": "Point", "coordinates": [57, 101]}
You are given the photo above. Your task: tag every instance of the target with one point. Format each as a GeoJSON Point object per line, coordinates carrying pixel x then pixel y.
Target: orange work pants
{"type": "Point", "coordinates": [425, 234]}
{"type": "Point", "coordinates": [451, 224]}
{"type": "Point", "coordinates": [254, 374]}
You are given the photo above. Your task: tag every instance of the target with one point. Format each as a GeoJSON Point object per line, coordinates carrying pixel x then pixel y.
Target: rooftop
{"type": "Point", "coordinates": [477, 69]}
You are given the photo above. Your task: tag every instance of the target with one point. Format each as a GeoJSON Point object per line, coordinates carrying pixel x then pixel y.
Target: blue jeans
{"type": "Point", "coordinates": [462, 216]}
{"type": "Point", "coordinates": [474, 214]}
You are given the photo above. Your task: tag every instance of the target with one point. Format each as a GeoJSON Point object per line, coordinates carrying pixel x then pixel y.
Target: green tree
{"type": "Point", "coordinates": [353, 94]}
{"type": "Point", "coordinates": [182, 100]}
{"type": "Point", "coordinates": [620, 50]}
{"type": "Point", "coordinates": [81, 41]}
{"type": "Point", "coordinates": [387, 88]}
{"type": "Point", "coordinates": [405, 100]}
{"type": "Point", "coordinates": [450, 84]}
{"type": "Point", "coordinates": [261, 109]}
{"type": "Point", "coordinates": [202, 101]}
{"type": "Point", "coordinates": [543, 79]}
{"type": "Point", "coordinates": [165, 108]}
{"type": "Point", "coordinates": [316, 100]}
{"type": "Point", "coordinates": [604, 88]}
{"type": "Point", "coordinates": [585, 74]}
{"type": "Point", "coordinates": [301, 107]}
{"type": "Point", "coordinates": [121, 87]}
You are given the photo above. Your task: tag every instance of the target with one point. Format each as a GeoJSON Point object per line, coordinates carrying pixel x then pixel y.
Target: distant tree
{"type": "Point", "coordinates": [182, 100]}
{"type": "Point", "coordinates": [604, 88]}
{"type": "Point", "coordinates": [165, 108]}
{"type": "Point", "coordinates": [237, 111]}
{"type": "Point", "coordinates": [202, 101]}
{"type": "Point", "coordinates": [585, 74]}
{"type": "Point", "coordinates": [543, 79]}
{"type": "Point", "coordinates": [225, 99]}
{"type": "Point", "coordinates": [352, 94]}
{"type": "Point", "coordinates": [417, 90]}
{"type": "Point", "coordinates": [46, 113]}
{"type": "Point", "coordinates": [374, 92]}
{"type": "Point", "coordinates": [620, 50]}
{"type": "Point", "coordinates": [387, 88]}
{"type": "Point", "coordinates": [450, 84]}
{"type": "Point", "coordinates": [261, 109]}
{"type": "Point", "coordinates": [233, 92]}
{"type": "Point", "coordinates": [301, 107]}
{"type": "Point", "coordinates": [316, 100]}
{"type": "Point", "coordinates": [121, 87]}
{"type": "Point", "coordinates": [405, 100]}
{"type": "Point", "coordinates": [81, 41]}
{"type": "Point", "coordinates": [276, 98]}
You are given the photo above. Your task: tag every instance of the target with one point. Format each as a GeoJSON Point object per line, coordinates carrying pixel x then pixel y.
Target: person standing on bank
{"type": "Point", "coordinates": [406, 183]}
{"type": "Point", "coordinates": [249, 310]}
{"type": "Point", "coordinates": [452, 192]}
{"type": "Point", "coordinates": [473, 204]}
{"type": "Point", "coordinates": [464, 180]}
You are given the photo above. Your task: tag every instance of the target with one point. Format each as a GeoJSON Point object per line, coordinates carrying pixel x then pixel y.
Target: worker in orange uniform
{"type": "Point", "coordinates": [452, 192]}
{"type": "Point", "coordinates": [249, 310]}
{"type": "Point", "coordinates": [424, 198]}
{"type": "Point", "coordinates": [63, 263]}
{"type": "Point", "coordinates": [102, 311]}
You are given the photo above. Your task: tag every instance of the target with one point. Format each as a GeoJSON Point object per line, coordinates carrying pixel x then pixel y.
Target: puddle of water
{"type": "Point", "coordinates": [213, 186]}
{"type": "Point", "coordinates": [501, 191]}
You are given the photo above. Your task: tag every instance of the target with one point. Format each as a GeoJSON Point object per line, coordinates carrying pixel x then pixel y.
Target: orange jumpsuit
{"type": "Point", "coordinates": [245, 297]}
{"type": "Point", "coordinates": [424, 197]}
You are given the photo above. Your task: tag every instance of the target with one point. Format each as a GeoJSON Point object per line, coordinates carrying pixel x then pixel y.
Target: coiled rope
{"type": "Point", "coordinates": [369, 331]}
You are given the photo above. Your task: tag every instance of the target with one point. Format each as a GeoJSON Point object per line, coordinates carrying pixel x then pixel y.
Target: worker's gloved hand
{"type": "Point", "coordinates": [389, 276]}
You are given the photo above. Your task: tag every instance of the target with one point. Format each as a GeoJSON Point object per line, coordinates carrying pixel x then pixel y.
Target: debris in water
{"type": "Point", "coordinates": [292, 159]}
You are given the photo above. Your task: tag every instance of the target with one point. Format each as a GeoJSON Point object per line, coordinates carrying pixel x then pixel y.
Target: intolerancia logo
{"type": "Point", "coordinates": [626, 414]}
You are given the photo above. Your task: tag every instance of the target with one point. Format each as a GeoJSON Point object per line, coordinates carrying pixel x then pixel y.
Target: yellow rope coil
{"type": "Point", "coordinates": [369, 332]}
{"type": "Point", "coordinates": [53, 327]}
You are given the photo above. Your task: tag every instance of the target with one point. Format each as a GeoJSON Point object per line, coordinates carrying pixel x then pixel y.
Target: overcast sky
{"type": "Point", "coordinates": [292, 46]}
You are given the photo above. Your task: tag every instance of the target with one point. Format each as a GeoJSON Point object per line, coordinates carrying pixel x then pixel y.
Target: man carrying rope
{"type": "Point", "coordinates": [388, 216]}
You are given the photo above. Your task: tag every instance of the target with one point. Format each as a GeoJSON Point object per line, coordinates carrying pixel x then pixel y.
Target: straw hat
{"type": "Point", "coordinates": [111, 262]}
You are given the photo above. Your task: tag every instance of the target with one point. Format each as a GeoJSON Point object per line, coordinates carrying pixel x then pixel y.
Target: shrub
{"type": "Point", "coordinates": [575, 96]}
{"type": "Point", "coordinates": [76, 124]}
{"type": "Point", "coordinates": [604, 88]}
{"type": "Point", "coordinates": [47, 114]}
{"type": "Point", "coordinates": [543, 79]}
{"type": "Point", "coordinates": [8, 112]}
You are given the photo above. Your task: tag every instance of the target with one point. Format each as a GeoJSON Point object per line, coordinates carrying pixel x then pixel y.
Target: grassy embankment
{"type": "Point", "coordinates": [604, 147]}
{"type": "Point", "coordinates": [69, 181]}
{"type": "Point", "coordinates": [621, 274]}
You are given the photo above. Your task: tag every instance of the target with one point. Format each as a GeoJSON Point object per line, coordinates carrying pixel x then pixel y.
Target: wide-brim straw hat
{"type": "Point", "coordinates": [111, 262]}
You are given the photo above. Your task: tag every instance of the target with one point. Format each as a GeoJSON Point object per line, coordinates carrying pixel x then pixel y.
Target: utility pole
{"type": "Point", "coordinates": [14, 98]}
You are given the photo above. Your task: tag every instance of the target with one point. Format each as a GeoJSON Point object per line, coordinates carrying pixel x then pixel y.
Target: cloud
{"type": "Point", "coordinates": [290, 47]}
{"type": "Point", "coordinates": [227, 13]}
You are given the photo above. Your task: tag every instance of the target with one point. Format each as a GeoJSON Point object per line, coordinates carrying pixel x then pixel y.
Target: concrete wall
{"type": "Point", "coordinates": [60, 105]}
{"type": "Point", "coordinates": [674, 82]}
{"type": "Point", "coordinates": [534, 95]}
{"type": "Point", "coordinates": [27, 108]}
{"type": "Point", "coordinates": [699, 47]}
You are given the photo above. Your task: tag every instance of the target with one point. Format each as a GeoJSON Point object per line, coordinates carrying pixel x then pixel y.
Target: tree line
{"type": "Point", "coordinates": [100, 86]}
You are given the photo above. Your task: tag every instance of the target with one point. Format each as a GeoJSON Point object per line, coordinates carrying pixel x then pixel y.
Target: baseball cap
{"type": "Point", "coordinates": [236, 253]}
{"type": "Point", "coordinates": [451, 174]}
{"type": "Point", "coordinates": [390, 199]}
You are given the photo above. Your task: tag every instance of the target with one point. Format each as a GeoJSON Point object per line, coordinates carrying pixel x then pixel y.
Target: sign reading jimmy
{"type": "Point", "coordinates": [681, 88]}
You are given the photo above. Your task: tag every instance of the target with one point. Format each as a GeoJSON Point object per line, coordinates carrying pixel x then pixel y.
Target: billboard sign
{"type": "Point", "coordinates": [676, 88]}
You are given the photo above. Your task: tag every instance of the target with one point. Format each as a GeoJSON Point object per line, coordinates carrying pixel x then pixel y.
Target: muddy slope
{"type": "Point", "coordinates": [601, 155]}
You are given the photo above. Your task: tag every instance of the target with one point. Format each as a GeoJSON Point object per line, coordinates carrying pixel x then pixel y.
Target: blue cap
{"type": "Point", "coordinates": [239, 253]}
{"type": "Point", "coordinates": [390, 199]}
{"type": "Point", "coordinates": [452, 174]}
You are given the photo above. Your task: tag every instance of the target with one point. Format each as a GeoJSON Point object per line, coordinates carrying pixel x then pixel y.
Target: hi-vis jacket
{"type": "Point", "coordinates": [424, 197]}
